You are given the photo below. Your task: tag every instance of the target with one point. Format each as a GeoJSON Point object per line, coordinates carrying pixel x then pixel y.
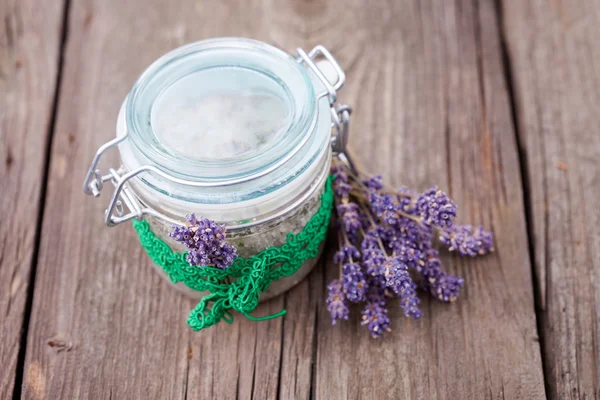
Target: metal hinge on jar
{"type": "Point", "coordinates": [125, 206]}
{"type": "Point", "coordinates": [340, 114]}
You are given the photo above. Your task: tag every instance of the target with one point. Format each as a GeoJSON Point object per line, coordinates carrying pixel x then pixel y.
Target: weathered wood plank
{"type": "Point", "coordinates": [431, 106]}
{"type": "Point", "coordinates": [29, 56]}
{"type": "Point", "coordinates": [555, 57]}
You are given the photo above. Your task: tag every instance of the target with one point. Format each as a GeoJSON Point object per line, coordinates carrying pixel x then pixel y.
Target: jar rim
{"type": "Point", "coordinates": [271, 62]}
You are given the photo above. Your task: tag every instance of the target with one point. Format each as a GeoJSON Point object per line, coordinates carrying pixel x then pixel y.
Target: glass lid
{"type": "Point", "coordinates": [221, 109]}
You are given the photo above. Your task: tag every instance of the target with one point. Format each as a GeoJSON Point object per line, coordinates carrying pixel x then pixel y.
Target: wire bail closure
{"type": "Point", "coordinates": [122, 196]}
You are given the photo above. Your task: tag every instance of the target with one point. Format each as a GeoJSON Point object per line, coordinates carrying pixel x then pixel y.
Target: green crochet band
{"type": "Point", "coordinates": [239, 287]}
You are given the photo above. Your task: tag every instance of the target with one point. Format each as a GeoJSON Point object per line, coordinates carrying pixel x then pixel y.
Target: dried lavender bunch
{"type": "Point", "coordinates": [206, 242]}
{"type": "Point", "coordinates": [385, 247]}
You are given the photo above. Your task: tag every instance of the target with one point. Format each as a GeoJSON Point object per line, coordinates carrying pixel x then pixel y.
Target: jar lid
{"type": "Point", "coordinates": [240, 117]}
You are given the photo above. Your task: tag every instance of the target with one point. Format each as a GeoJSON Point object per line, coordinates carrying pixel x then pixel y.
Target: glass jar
{"type": "Point", "coordinates": [231, 129]}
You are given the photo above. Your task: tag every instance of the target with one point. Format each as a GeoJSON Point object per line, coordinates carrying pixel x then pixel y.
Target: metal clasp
{"type": "Point", "coordinates": [340, 114]}
{"type": "Point", "coordinates": [330, 88]}
{"type": "Point", "coordinates": [340, 117]}
{"type": "Point", "coordinates": [94, 182]}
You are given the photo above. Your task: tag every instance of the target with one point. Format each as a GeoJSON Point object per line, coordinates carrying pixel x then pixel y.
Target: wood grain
{"type": "Point", "coordinates": [555, 57]}
{"type": "Point", "coordinates": [428, 86]}
{"type": "Point", "coordinates": [29, 58]}
{"type": "Point", "coordinates": [432, 106]}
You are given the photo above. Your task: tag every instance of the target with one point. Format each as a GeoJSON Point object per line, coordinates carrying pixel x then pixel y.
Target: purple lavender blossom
{"type": "Point", "coordinates": [391, 215]}
{"type": "Point", "coordinates": [350, 217]}
{"type": "Point", "coordinates": [442, 285]}
{"type": "Point", "coordinates": [405, 200]}
{"type": "Point", "coordinates": [435, 208]}
{"type": "Point", "coordinates": [412, 231]}
{"type": "Point", "coordinates": [346, 254]}
{"type": "Point", "coordinates": [467, 240]}
{"type": "Point", "coordinates": [391, 208]}
{"type": "Point", "coordinates": [341, 187]}
{"type": "Point", "coordinates": [372, 254]}
{"type": "Point", "coordinates": [381, 203]}
{"type": "Point", "coordinates": [370, 240]}
{"type": "Point", "coordinates": [398, 278]}
{"type": "Point", "coordinates": [336, 301]}
{"type": "Point", "coordinates": [340, 173]}
{"type": "Point", "coordinates": [373, 259]}
{"type": "Point", "coordinates": [205, 240]}
{"type": "Point", "coordinates": [375, 317]}
{"type": "Point", "coordinates": [407, 254]}
{"type": "Point", "coordinates": [377, 292]}
{"type": "Point", "coordinates": [447, 287]}
{"type": "Point", "coordinates": [374, 183]}
{"type": "Point", "coordinates": [353, 282]}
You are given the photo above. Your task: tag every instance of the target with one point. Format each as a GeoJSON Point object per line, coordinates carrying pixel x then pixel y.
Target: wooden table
{"type": "Point", "coordinates": [495, 101]}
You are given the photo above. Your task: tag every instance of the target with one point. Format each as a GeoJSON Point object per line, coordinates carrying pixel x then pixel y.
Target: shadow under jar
{"type": "Point", "coordinates": [233, 130]}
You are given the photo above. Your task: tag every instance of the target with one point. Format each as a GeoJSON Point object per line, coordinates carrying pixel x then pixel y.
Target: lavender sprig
{"type": "Point", "coordinates": [353, 282]}
{"type": "Point", "coordinates": [442, 285]}
{"type": "Point", "coordinates": [468, 241]}
{"type": "Point", "coordinates": [375, 317]}
{"type": "Point", "coordinates": [350, 217]}
{"type": "Point", "coordinates": [205, 241]}
{"type": "Point", "coordinates": [336, 301]}
{"type": "Point", "coordinates": [346, 254]}
{"type": "Point", "coordinates": [399, 279]}
{"type": "Point", "coordinates": [436, 208]}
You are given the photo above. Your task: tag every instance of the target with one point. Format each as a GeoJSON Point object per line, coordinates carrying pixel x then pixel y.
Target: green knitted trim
{"type": "Point", "coordinates": [239, 287]}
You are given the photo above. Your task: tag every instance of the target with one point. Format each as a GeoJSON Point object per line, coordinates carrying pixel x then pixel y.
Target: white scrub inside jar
{"type": "Point", "coordinates": [220, 113]}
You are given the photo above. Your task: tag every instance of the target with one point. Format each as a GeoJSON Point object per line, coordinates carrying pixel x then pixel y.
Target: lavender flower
{"type": "Point", "coordinates": [467, 240]}
{"type": "Point", "coordinates": [353, 282]}
{"type": "Point", "coordinates": [447, 287]}
{"type": "Point", "coordinates": [340, 173]}
{"type": "Point", "coordinates": [373, 259]}
{"type": "Point", "coordinates": [377, 292]}
{"type": "Point", "coordinates": [414, 232]}
{"type": "Point", "coordinates": [375, 317]}
{"type": "Point", "coordinates": [349, 215]}
{"type": "Point", "coordinates": [405, 200]}
{"type": "Point", "coordinates": [206, 243]}
{"type": "Point", "coordinates": [398, 278]}
{"type": "Point", "coordinates": [436, 208]}
{"type": "Point", "coordinates": [336, 302]}
{"type": "Point", "coordinates": [442, 285]}
{"type": "Point", "coordinates": [372, 254]}
{"type": "Point", "coordinates": [381, 203]}
{"type": "Point", "coordinates": [374, 236]}
{"type": "Point", "coordinates": [347, 253]}
{"type": "Point", "coordinates": [341, 187]}
{"type": "Point", "coordinates": [374, 183]}
{"type": "Point", "coordinates": [408, 255]}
